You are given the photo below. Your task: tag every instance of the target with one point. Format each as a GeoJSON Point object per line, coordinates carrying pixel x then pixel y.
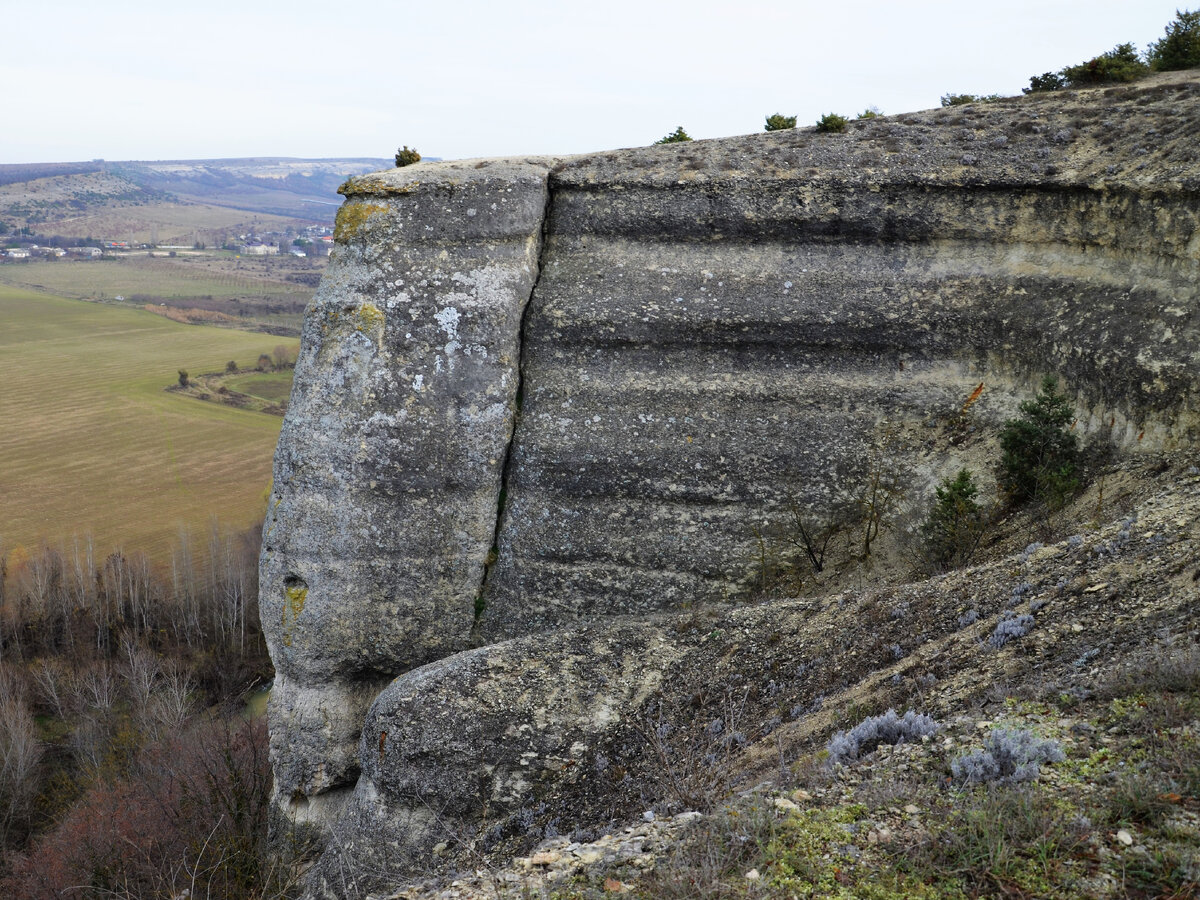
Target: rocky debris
{"type": "Point", "coordinates": [628, 854]}
{"type": "Point", "coordinates": [855, 820]}
{"type": "Point", "coordinates": [483, 753]}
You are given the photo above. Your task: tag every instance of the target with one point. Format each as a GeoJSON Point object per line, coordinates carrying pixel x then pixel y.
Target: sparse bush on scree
{"type": "Point", "coordinates": [889, 728]}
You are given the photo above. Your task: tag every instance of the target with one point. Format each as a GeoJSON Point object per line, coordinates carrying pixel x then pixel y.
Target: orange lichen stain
{"type": "Point", "coordinates": [975, 394]}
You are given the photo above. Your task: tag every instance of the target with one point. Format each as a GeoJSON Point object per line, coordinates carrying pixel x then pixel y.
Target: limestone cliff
{"type": "Point", "coordinates": [540, 392]}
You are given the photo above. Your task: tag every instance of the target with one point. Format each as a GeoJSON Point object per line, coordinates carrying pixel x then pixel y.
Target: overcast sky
{"type": "Point", "coordinates": [126, 79]}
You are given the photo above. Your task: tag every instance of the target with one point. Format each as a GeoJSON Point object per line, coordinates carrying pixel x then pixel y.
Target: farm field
{"type": "Point", "coordinates": [273, 387]}
{"type": "Point", "coordinates": [254, 291]}
{"type": "Point", "coordinates": [90, 442]}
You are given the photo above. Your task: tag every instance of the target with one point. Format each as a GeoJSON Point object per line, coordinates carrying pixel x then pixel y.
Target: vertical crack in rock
{"type": "Point", "coordinates": [391, 458]}
{"type": "Point", "coordinates": [518, 400]}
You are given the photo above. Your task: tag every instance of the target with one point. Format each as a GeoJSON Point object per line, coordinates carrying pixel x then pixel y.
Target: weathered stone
{"type": "Point", "coordinates": [389, 465]}
{"type": "Point", "coordinates": [585, 724]}
{"type": "Point", "coordinates": [714, 332]}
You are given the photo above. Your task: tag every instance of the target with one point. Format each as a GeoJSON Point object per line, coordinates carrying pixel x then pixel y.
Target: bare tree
{"type": "Point", "coordinates": [20, 754]}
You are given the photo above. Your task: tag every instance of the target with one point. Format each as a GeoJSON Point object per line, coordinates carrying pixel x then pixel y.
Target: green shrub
{"type": "Point", "coordinates": [964, 99]}
{"type": "Point", "coordinates": [1041, 454]}
{"type": "Point", "coordinates": [780, 123]}
{"type": "Point", "coordinates": [871, 112]}
{"type": "Point", "coordinates": [1180, 48]}
{"type": "Point", "coordinates": [406, 157]}
{"type": "Point", "coordinates": [183, 378]}
{"type": "Point", "coordinates": [955, 524]}
{"type": "Point", "coordinates": [1119, 64]}
{"type": "Point", "coordinates": [831, 123]}
{"type": "Point", "coordinates": [1048, 81]}
{"type": "Point", "coordinates": [678, 136]}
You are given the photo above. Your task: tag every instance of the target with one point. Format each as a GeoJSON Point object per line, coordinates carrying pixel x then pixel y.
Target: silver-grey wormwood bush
{"type": "Point", "coordinates": [888, 728]}
{"type": "Point", "coordinates": [1009, 628]}
{"type": "Point", "coordinates": [1007, 757]}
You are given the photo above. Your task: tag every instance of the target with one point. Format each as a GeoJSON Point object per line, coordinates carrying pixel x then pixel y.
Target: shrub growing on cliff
{"type": "Point", "coordinates": [1180, 47]}
{"type": "Point", "coordinates": [955, 524]}
{"type": "Point", "coordinates": [831, 123]}
{"type": "Point", "coordinates": [964, 99]}
{"type": "Point", "coordinates": [1119, 64]}
{"type": "Point", "coordinates": [678, 136]}
{"type": "Point", "coordinates": [1041, 454]}
{"type": "Point", "coordinates": [780, 123]}
{"type": "Point", "coordinates": [406, 157]}
{"type": "Point", "coordinates": [1048, 81]}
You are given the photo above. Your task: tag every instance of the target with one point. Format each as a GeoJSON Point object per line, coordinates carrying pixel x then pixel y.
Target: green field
{"type": "Point", "coordinates": [90, 442]}
{"type": "Point", "coordinates": [140, 275]}
{"type": "Point", "coordinates": [274, 387]}
{"type": "Point", "coordinates": [246, 293]}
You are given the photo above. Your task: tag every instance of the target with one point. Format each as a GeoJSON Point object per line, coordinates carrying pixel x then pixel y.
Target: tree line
{"type": "Point", "coordinates": [129, 764]}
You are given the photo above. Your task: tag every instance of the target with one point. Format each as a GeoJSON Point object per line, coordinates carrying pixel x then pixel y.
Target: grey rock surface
{"type": "Point", "coordinates": [389, 467]}
{"type": "Point", "coordinates": [481, 755]}
{"type": "Point", "coordinates": [537, 394]}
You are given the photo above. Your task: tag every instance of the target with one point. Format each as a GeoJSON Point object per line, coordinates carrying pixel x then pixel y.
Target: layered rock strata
{"type": "Point", "coordinates": [689, 339]}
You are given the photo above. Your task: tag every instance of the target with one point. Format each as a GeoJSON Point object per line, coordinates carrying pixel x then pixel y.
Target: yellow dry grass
{"type": "Point", "coordinates": [90, 442]}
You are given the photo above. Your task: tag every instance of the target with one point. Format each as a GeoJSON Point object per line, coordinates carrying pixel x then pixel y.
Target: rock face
{"type": "Point", "coordinates": [537, 393]}
{"type": "Point", "coordinates": [389, 469]}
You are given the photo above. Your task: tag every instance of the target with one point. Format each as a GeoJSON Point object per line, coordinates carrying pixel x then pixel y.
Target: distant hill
{"type": "Point", "coordinates": [172, 200]}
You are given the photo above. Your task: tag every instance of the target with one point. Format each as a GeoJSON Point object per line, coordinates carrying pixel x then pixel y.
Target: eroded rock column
{"type": "Point", "coordinates": [389, 467]}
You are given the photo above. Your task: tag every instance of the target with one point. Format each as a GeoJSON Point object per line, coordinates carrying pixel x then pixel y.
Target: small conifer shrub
{"type": "Point", "coordinates": [1180, 47]}
{"type": "Point", "coordinates": [406, 157]}
{"type": "Point", "coordinates": [1048, 81]}
{"type": "Point", "coordinates": [955, 524]}
{"type": "Point", "coordinates": [1041, 454]}
{"type": "Point", "coordinates": [678, 136]}
{"type": "Point", "coordinates": [831, 123]}
{"type": "Point", "coordinates": [1119, 64]}
{"type": "Point", "coordinates": [780, 123]}
{"type": "Point", "coordinates": [964, 99]}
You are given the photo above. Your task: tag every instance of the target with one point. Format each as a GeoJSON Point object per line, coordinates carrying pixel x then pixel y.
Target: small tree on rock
{"type": "Point", "coordinates": [183, 378]}
{"type": "Point", "coordinates": [778, 122]}
{"type": "Point", "coordinates": [831, 123]}
{"type": "Point", "coordinates": [406, 157]}
{"type": "Point", "coordinates": [1119, 64]}
{"type": "Point", "coordinates": [1048, 81]}
{"type": "Point", "coordinates": [678, 136]}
